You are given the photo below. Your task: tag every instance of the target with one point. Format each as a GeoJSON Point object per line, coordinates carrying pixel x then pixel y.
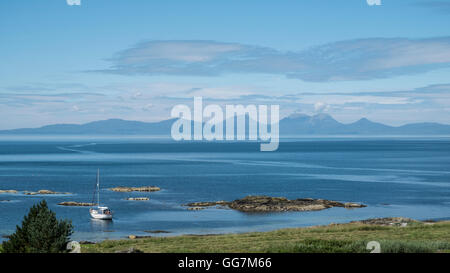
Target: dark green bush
{"type": "Point", "coordinates": [41, 232]}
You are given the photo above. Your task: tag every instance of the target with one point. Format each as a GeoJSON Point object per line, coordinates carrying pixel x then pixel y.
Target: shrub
{"type": "Point", "coordinates": [41, 232]}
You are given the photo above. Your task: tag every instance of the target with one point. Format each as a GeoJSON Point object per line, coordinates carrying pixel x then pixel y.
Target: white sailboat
{"type": "Point", "coordinates": [100, 212]}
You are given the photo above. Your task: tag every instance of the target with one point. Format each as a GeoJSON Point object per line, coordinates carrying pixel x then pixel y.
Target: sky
{"type": "Point", "coordinates": [137, 59]}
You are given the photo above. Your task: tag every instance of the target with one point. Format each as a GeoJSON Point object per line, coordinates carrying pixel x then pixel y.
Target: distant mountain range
{"type": "Point", "coordinates": [324, 124]}
{"type": "Point", "coordinates": [102, 127]}
{"type": "Point", "coordinates": [297, 124]}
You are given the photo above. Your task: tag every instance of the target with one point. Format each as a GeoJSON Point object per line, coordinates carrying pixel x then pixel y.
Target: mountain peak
{"type": "Point", "coordinates": [363, 120]}
{"type": "Point", "coordinates": [366, 122]}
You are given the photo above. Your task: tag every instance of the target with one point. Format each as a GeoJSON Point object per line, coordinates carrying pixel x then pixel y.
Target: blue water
{"type": "Point", "coordinates": [407, 177]}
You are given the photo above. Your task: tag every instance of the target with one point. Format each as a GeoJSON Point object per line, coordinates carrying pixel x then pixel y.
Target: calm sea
{"type": "Point", "coordinates": [407, 177]}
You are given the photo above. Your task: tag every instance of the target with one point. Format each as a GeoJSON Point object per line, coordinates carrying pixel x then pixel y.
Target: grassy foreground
{"type": "Point", "coordinates": [353, 237]}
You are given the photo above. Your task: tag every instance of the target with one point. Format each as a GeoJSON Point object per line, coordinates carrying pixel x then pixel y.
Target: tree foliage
{"type": "Point", "coordinates": [41, 232]}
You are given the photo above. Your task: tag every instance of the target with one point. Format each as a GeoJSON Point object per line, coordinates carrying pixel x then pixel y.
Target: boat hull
{"type": "Point", "coordinates": [100, 216]}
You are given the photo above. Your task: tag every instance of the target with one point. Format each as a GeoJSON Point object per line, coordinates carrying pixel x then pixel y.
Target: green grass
{"type": "Point", "coordinates": [415, 238]}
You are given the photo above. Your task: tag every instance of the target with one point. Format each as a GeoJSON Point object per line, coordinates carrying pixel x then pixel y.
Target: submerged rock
{"type": "Point", "coordinates": [76, 204]}
{"type": "Point", "coordinates": [156, 231]}
{"type": "Point", "coordinates": [196, 208]}
{"type": "Point", "coordinates": [276, 204]}
{"type": "Point", "coordinates": [208, 204]}
{"type": "Point", "coordinates": [140, 189]}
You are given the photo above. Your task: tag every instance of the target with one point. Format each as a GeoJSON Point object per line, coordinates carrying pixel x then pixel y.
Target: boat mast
{"type": "Point", "coordinates": [98, 187]}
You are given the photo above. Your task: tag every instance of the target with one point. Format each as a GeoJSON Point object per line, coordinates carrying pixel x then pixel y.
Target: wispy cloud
{"type": "Point", "coordinates": [362, 59]}
{"type": "Point", "coordinates": [27, 99]}
{"type": "Point", "coordinates": [45, 87]}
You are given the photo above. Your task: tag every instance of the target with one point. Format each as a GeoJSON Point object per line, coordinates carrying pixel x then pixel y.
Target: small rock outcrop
{"type": "Point", "coordinates": [76, 204]}
{"type": "Point", "coordinates": [276, 204]}
{"type": "Point", "coordinates": [8, 191]}
{"type": "Point", "coordinates": [140, 189]}
{"type": "Point", "coordinates": [156, 231]}
{"type": "Point", "coordinates": [43, 192]}
{"type": "Point", "coordinates": [137, 199]}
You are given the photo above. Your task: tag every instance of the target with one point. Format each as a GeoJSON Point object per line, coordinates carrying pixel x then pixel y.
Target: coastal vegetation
{"type": "Point", "coordinates": [40, 232]}
{"type": "Point", "coordinates": [394, 236]}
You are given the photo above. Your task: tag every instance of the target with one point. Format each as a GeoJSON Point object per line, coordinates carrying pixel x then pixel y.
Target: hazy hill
{"type": "Point", "coordinates": [297, 124]}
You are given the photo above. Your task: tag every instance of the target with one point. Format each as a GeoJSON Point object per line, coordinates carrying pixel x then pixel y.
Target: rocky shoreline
{"type": "Point", "coordinates": [274, 204]}
{"type": "Point", "coordinates": [395, 222]}
{"type": "Point", "coordinates": [388, 221]}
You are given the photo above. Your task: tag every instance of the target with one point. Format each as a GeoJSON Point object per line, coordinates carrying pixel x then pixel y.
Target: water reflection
{"type": "Point", "coordinates": [102, 225]}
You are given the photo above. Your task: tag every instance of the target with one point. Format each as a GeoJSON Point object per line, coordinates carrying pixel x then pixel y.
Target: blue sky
{"type": "Point", "coordinates": [136, 59]}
